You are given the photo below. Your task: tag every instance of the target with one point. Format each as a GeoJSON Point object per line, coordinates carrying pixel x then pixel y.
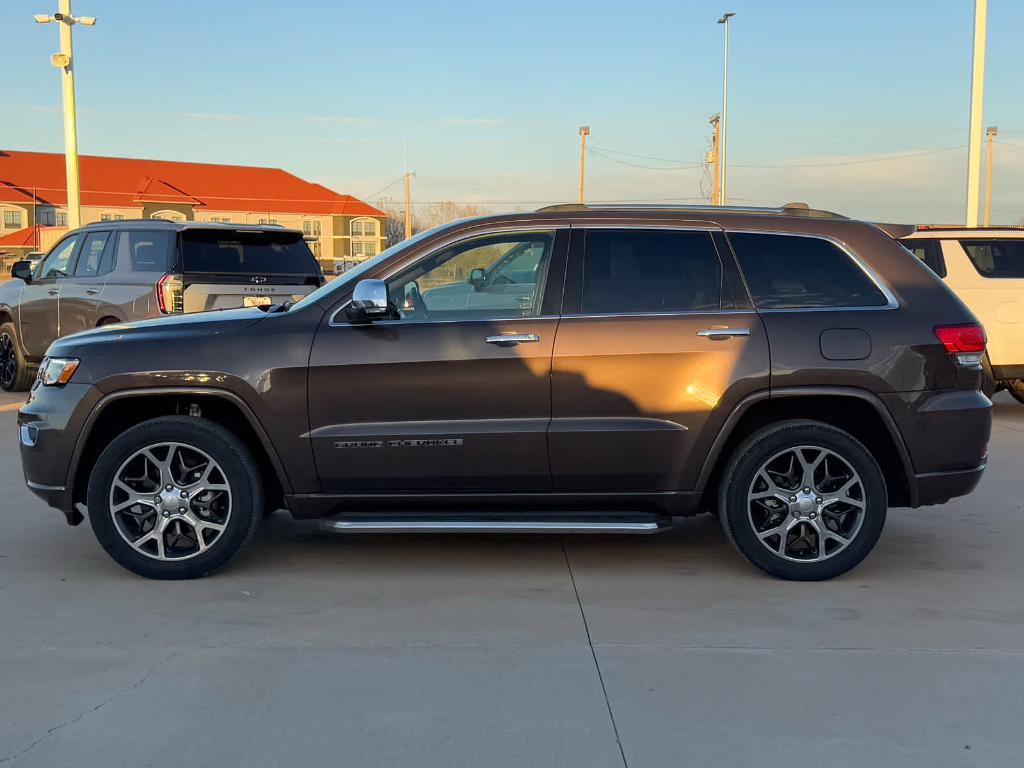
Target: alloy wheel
{"type": "Point", "coordinates": [806, 504]}
{"type": "Point", "coordinates": [170, 501]}
{"type": "Point", "coordinates": [8, 361]}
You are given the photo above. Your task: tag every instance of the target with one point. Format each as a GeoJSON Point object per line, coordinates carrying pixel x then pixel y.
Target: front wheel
{"type": "Point", "coordinates": [175, 498]}
{"type": "Point", "coordinates": [1016, 388]}
{"type": "Point", "coordinates": [803, 500]}
{"type": "Point", "coordinates": [15, 373]}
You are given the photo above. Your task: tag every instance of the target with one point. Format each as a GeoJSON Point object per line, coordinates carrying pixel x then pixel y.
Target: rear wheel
{"type": "Point", "coordinates": [175, 498]}
{"type": "Point", "coordinates": [15, 373]}
{"type": "Point", "coordinates": [1016, 388]}
{"type": "Point", "coordinates": [803, 500]}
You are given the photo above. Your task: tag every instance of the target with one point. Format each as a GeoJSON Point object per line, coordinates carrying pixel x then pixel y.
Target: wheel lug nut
{"type": "Point", "coordinates": [817, 501]}
{"type": "Point", "coordinates": [184, 495]}
{"type": "Point", "coordinates": [813, 515]}
{"type": "Point", "coordinates": [796, 513]}
{"type": "Point", "coordinates": [156, 499]}
{"type": "Point", "coordinates": [181, 510]}
{"type": "Point", "coordinates": [166, 513]}
{"type": "Point", "coordinates": [168, 487]}
{"type": "Point", "coordinates": [792, 498]}
{"type": "Point", "coordinates": [807, 490]}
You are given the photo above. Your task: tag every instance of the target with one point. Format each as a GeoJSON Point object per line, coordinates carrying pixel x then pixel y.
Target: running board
{"type": "Point", "coordinates": [382, 524]}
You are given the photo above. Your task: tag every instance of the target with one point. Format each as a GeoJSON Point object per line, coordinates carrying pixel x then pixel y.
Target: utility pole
{"type": "Point", "coordinates": [713, 157]}
{"type": "Point", "coordinates": [408, 206]}
{"type": "Point", "coordinates": [977, 100]}
{"type": "Point", "coordinates": [584, 132]}
{"type": "Point", "coordinates": [992, 131]}
{"type": "Point", "coordinates": [724, 140]}
{"type": "Point", "coordinates": [65, 62]}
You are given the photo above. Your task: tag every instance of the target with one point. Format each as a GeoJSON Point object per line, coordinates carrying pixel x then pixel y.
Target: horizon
{"type": "Point", "coordinates": [478, 102]}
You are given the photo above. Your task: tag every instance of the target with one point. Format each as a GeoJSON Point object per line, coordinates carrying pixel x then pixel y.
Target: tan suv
{"type": "Point", "coordinates": [985, 268]}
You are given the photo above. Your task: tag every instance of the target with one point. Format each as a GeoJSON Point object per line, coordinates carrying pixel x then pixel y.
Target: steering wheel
{"type": "Point", "coordinates": [418, 302]}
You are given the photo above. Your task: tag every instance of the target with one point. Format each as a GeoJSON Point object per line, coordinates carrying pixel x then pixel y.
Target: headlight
{"type": "Point", "coordinates": [57, 371]}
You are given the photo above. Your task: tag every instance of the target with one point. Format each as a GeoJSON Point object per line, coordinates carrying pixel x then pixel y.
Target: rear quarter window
{"type": "Point", "coordinates": [802, 272]}
{"type": "Point", "coordinates": [233, 252]}
{"type": "Point", "coordinates": [996, 258]}
{"type": "Point", "coordinates": [929, 251]}
{"type": "Point", "coordinates": [143, 250]}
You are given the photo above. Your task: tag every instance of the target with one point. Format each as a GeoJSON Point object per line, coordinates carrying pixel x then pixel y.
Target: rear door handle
{"type": "Point", "coordinates": [53, 291]}
{"type": "Point", "coordinates": [723, 333]}
{"type": "Point", "coordinates": [511, 339]}
{"type": "Point", "coordinates": [91, 291]}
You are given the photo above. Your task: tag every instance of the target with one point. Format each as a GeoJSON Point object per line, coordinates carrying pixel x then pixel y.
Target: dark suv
{"type": "Point", "coordinates": [116, 271]}
{"type": "Point", "coordinates": [577, 369]}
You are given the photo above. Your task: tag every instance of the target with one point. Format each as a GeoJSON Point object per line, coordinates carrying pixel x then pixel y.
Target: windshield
{"type": "Point", "coordinates": [362, 268]}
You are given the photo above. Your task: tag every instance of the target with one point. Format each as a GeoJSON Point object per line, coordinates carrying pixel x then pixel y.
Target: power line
{"type": "Point", "coordinates": [688, 167]}
{"type": "Point", "coordinates": [384, 188]}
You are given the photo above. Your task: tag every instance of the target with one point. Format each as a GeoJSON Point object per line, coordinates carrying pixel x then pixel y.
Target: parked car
{"type": "Point", "coordinates": [985, 268]}
{"type": "Point", "coordinates": [788, 369]}
{"type": "Point", "coordinates": [117, 271]}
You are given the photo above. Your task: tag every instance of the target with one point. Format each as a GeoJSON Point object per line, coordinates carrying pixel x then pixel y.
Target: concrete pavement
{"type": "Point", "coordinates": [315, 649]}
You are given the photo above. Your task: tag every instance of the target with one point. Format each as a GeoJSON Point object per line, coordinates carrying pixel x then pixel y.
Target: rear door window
{"type": "Point", "coordinates": [143, 251]}
{"type": "Point", "coordinates": [929, 251]}
{"type": "Point", "coordinates": [796, 272]}
{"type": "Point", "coordinates": [996, 258]}
{"type": "Point", "coordinates": [650, 271]}
{"type": "Point", "coordinates": [91, 262]}
{"type": "Point", "coordinates": [250, 253]}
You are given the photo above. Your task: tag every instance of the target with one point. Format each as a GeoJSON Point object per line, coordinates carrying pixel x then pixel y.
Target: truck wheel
{"type": "Point", "coordinates": [175, 498]}
{"type": "Point", "coordinates": [803, 500]}
{"type": "Point", "coordinates": [15, 373]}
{"type": "Point", "coordinates": [1016, 388]}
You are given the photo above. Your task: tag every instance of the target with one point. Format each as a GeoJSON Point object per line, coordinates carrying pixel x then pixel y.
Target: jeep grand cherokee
{"type": "Point", "coordinates": [791, 370]}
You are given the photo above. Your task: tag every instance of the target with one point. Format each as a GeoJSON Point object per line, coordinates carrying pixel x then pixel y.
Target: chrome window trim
{"type": "Point", "coordinates": [891, 301]}
{"type": "Point", "coordinates": [680, 313]}
{"type": "Point", "coordinates": [445, 243]}
{"type": "Point", "coordinates": [411, 323]}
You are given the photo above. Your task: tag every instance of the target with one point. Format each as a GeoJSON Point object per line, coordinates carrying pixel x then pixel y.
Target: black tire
{"type": "Point", "coordinates": [16, 374]}
{"type": "Point", "coordinates": [989, 385]}
{"type": "Point", "coordinates": [739, 478]}
{"type": "Point", "coordinates": [236, 464]}
{"type": "Point", "coordinates": [1016, 388]}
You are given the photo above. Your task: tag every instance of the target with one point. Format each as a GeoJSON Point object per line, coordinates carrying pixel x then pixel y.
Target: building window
{"type": "Point", "coordinates": [364, 228]}
{"type": "Point", "coordinates": [168, 215]}
{"type": "Point", "coordinates": [118, 217]}
{"type": "Point", "coordinates": [12, 219]}
{"type": "Point", "coordinates": [220, 219]}
{"type": "Point", "coordinates": [62, 218]}
{"type": "Point", "coordinates": [363, 250]}
{"type": "Point", "coordinates": [268, 221]}
{"type": "Point", "coordinates": [105, 217]}
{"type": "Point", "coordinates": [311, 227]}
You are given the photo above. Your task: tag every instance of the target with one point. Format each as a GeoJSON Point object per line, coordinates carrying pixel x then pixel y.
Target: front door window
{"type": "Point", "coordinates": [56, 264]}
{"type": "Point", "coordinates": [484, 278]}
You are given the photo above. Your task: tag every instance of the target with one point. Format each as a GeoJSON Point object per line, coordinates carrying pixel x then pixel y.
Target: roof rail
{"type": "Point", "coordinates": [789, 209]}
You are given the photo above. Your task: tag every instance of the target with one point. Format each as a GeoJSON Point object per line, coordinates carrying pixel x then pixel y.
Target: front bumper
{"type": "Point", "coordinates": [49, 426]}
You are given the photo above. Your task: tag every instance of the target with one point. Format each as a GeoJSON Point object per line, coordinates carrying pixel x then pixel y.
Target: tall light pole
{"type": "Point", "coordinates": [977, 100]}
{"type": "Point", "coordinates": [991, 132]}
{"type": "Point", "coordinates": [584, 132]}
{"type": "Point", "coordinates": [65, 62]}
{"type": "Point", "coordinates": [725, 114]}
{"type": "Point", "coordinates": [716, 123]}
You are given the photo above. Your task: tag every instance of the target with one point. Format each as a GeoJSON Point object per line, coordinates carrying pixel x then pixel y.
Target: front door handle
{"type": "Point", "coordinates": [511, 339]}
{"type": "Point", "coordinates": [53, 291]}
{"type": "Point", "coordinates": [723, 333]}
{"type": "Point", "coordinates": [91, 291]}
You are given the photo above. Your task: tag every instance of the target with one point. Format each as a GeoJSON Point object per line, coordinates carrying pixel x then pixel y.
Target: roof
{"type": "Point", "coordinates": [959, 230]}
{"type": "Point", "coordinates": [180, 225]}
{"type": "Point", "coordinates": [25, 238]}
{"type": "Point", "coordinates": [789, 209]}
{"type": "Point", "coordinates": [124, 182]}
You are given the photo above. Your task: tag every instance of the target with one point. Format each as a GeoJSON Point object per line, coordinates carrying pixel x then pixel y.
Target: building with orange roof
{"type": "Point", "coordinates": [342, 230]}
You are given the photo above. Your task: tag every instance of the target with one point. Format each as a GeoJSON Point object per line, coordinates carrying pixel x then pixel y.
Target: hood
{"type": "Point", "coordinates": [196, 324]}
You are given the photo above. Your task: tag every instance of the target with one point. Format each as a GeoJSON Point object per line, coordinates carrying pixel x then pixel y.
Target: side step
{"type": "Point", "coordinates": [493, 523]}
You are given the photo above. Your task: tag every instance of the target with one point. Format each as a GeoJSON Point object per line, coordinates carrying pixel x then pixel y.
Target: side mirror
{"type": "Point", "coordinates": [22, 270]}
{"type": "Point", "coordinates": [369, 302]}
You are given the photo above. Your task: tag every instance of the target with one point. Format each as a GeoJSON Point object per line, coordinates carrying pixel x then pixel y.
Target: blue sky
{"type": "Point", "coordinates": [487, 97]}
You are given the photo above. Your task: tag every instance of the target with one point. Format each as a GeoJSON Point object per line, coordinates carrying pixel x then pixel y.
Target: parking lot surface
{"type": "Point", "coordinates": [364, 650]}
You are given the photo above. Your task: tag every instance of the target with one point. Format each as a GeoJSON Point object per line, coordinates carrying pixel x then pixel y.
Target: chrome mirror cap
{"type": "Point", "coordinates": [369, 301]}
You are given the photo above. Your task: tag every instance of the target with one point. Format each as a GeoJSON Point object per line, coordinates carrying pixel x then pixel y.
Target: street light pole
{"type": "Point", "coordinates": [977, 100]}
{"type": "Point", "coordinates": [65, 62]}
{"type": "Point", "coordinates": [723, 150]}
{"type": "Point", "coordinates": [991, 132]}
{"type": "Point", "coordinates": [584, 132]}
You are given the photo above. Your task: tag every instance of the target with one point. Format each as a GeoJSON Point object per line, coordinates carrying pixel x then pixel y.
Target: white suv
{"type": "Point", "coordinates": [985, 268]}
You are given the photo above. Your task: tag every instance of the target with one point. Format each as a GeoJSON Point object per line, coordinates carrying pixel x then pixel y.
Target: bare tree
{"type": "Point", "coordinates": [394, 226]}
{"type": "Point", "coordinates": [433, 214]}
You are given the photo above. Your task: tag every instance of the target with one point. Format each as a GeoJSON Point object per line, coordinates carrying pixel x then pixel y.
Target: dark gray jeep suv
{"type": "Point", "coordinates": [116, 271]}
{"type": "Point", "coordinates": [577, 369]}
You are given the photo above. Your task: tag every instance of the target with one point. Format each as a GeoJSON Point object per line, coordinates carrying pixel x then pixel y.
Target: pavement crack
{"type": "Point", "coordinates": [89, 711]}
{"type": "Point", "coordinates": [593, 653]}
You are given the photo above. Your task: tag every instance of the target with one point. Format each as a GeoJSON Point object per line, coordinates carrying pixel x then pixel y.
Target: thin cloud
{"type": "Point", "coordinates": [341, 120]}
{"type": "Point", "coordinates": [212, 116]}
{"type": "Point", "coordinates": [473, 121]}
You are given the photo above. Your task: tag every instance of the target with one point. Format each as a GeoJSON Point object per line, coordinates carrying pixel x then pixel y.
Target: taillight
{"type": "Point", "coordinates": [169, 289]}
{"type": "Point", "coordinates": [965, 342]}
